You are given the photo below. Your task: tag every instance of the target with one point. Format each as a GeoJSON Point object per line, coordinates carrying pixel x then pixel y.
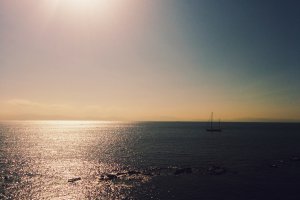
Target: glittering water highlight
{"type": "Point", "coordinates": [115, 160]}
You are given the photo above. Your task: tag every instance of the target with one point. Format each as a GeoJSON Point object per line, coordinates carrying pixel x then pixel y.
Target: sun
{"type": "Point", "coordinates": [83, 6]}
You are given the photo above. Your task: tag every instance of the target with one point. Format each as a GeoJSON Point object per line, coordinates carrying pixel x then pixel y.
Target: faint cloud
{"type": "Point", "coordinates": [29, 103]}
{"type": "Point", "coordinates": [21, 102]}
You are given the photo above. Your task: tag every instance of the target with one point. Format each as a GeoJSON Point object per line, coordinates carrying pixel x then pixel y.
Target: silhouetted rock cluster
{"type": "Point", "coordinates": [281, 163]}
{"type": "Point", "coordinates": [172, 171]}
{"type": "Point", "coordinates": [216, 170]}
{"type": "Point", "coordinates": [295, 158]}
{"type": "Point", "coordinates": [107, 177]}
{"type": "Point", "coordinates": [134, 174]}
{"type": "Point", "coordinates": [121, 175]}
{"type": "Point", "coordinates": [183, 171]}
{"type": "Point", "coordinates": [72, 180]}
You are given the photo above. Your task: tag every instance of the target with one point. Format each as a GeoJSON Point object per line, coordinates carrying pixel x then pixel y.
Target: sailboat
{"type": "Point", "coordinates": [212, 128]}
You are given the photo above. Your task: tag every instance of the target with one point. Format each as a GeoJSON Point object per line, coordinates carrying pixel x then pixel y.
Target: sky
{"type": "Point", "coordinates": [141, 60]}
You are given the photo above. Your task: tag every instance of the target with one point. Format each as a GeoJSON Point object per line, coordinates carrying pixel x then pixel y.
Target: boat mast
{"type": "Point", "coordinates": [211, 119]}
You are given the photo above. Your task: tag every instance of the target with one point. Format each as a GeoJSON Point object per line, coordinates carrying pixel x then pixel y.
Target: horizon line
{"type": "Point", "coordinates": [157, 121]}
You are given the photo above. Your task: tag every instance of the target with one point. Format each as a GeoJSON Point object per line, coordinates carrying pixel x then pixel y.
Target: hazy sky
{"type": "Point", "coordinates": [150, 60]}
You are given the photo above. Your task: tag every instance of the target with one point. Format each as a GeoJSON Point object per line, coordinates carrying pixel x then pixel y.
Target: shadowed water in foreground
{"type": "Point", "coordinates": [112, 160]}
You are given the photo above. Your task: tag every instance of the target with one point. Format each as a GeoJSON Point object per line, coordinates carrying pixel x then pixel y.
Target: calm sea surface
{"type": "Point", "coordinates": [154, 160]}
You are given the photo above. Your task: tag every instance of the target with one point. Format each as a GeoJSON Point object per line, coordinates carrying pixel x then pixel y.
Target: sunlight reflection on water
{"type": "Point", "coordinates": [149, 160]}
{"type": "Point", "coordinates": [38, 159]}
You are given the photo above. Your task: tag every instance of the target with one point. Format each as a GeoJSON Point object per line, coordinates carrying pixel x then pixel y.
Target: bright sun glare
{"type": "Point", "coordinates": [84, 5]}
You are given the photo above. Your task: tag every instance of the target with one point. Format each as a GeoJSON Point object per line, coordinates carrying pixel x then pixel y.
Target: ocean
{"type": "Point", "coordinates": [148, 160]}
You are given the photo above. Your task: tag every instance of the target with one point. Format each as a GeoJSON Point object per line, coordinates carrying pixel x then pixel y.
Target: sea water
{"type": "Point", "coordinates": [148, 160]}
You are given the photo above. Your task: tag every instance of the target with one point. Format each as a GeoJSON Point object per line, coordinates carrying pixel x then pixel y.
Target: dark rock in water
{"type": "Point", "coordinates": [121, 173]}
{"type": "Point", "coordinates": [274, 166]}
{"type": "Point", "coordinates": [295, 158]}
{"type": "Point", "coordinates": [133, 173]}
{"type": "Point", "coordinates": [277, 164]}
{"type": "Point", "coordinates": [183, 171]}
{"type": "Point", "coordinates": [72, 180]}
{"type": "Point", "coordinates": [112, 176]}
{"type": "Point", "coordinates": [108, 177]}
{"type": "Point", "coordinates": [216, 170]}
{"type": "Point", "coordinates": [103, 177]}
{"type": "Point", "coordinates": [220, 171]}
{"type": "Point", "coordinates": [147, 174]}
